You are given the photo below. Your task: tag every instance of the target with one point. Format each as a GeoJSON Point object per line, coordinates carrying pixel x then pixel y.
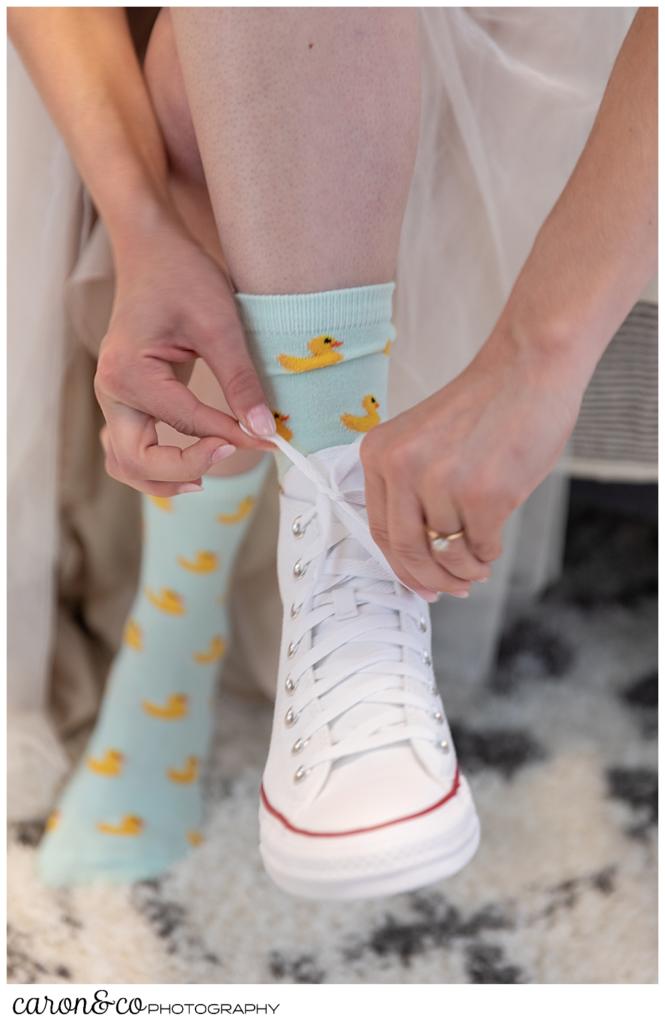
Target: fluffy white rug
{"type": "Point", "coordinates": [560, 749]}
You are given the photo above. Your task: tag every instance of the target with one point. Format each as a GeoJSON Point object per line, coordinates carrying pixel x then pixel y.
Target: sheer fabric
{"type": "Point", "coordinates": [509, 97]}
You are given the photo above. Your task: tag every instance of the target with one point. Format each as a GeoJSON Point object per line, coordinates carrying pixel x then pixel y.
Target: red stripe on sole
{"type": "Point", "coordinates": [358, 831]}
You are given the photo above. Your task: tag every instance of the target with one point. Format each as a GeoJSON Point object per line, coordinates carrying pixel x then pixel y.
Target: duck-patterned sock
{"type": "Point", "coordinates": [134, 804]}
{"type": "Point", "coordinates": [323, 360]}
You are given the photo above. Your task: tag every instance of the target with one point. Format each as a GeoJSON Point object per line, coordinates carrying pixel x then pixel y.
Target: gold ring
{"type": "Point", "coordinates": [441, 541]}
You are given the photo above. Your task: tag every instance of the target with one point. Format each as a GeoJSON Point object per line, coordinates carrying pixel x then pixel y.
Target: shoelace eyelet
{"type": "Point", "coordinates": [292, 648]}
{"type": "Point", "coordinates": [290, 718]}
{"type": "Point", "coordinates": [300, 773]}
{"type": "Point", "coordinates": [299, 569]}
{"type": "Point", "coordinates": [437, 715]}
{"type": "Point", "coordinates": [422, 625]}
{"type": "Point", "coordinates": [289, 685]}
{"type": "Point", "coordinates": [299, 745]}
{"type": "Point", "coordinates": [295, 610]}
{"type": "Point", "coordinates": [427, 657]}
{"type": "Point", "coordinates": [444, 745]}
{"type": "Point", "coordinates": [297, 529]}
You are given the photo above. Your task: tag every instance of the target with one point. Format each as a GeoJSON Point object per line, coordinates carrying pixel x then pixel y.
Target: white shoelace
{"type": "Point", "coordinates": [361, 656]}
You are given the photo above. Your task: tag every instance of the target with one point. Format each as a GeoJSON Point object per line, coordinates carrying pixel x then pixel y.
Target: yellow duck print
{"type": "Point", "coordinates": [175, 707]}
{"type": "Point", "coordinates": [281, 427]}
{"type": "Point", "coordinates": [214, 652]}
{"type": "Point", "coordinates": [195, 838]}
{"type": "Point", "coordinates": [387, 347]}
{"type": "Point", "coordinates": [323, 354]}
{"type": "Point", "coordinates": [52, 821]}
{"type": "Point", "coordinates": [363, 423]}
{"type": "Point", "coordinates": [133, 635]}
{"type": "Point", "coordinates": [189, 773]}
{"type": "Point", "coordinates": [166, 504]}
{"type": "Point", "coordinates": [130, 825]}
{"type": "Point", "coordinates": [205, 561]}
{"type": "Point", "coordinates": [110, 764]}
{"type": "Point", "coordinates": [166, 601]}
{"type": "Point", "coordinates": [242, 511]}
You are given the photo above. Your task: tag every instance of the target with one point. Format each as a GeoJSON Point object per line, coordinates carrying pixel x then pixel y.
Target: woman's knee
{"type": "Point", "coordinates": [166, 87]}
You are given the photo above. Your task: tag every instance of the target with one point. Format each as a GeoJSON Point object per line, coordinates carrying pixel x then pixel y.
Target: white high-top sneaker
{"type": "Point", "coordinates": [361, 793]}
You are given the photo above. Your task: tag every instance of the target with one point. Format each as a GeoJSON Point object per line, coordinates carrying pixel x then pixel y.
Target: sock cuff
{"type": "Point", "coordinates": [317, 312]}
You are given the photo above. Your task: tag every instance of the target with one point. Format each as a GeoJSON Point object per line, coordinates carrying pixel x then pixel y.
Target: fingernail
{"type": "Point", "coordinates": [222, 452]}
{"type": "Point", "coordinates": [484, 579]}
{"type": "Point", "coordinates": [261, 420]}
{"type": "Point", "coordinates": [462, 593]}
{"type": "Point", "coordinates": [189, 488]}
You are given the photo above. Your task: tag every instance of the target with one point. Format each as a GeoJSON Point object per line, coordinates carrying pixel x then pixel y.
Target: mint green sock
{"type": "Point", "coordinates": [323, 361]}
{"type": "Point", "coordinates": [134, 805]}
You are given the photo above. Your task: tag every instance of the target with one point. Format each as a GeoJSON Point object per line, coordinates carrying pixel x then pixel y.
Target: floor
{"type": "Point", "coordinates": [560, 749]}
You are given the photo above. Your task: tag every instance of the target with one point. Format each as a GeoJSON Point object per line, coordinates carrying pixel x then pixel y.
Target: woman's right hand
{"type": "Point", "coordinates": [173, 303]}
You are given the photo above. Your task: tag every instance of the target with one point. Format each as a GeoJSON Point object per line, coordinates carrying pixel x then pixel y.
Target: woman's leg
{"type": "Point", "coordinates": [307, 124]}
{"type": "Point", "coordinates": [134, 804]}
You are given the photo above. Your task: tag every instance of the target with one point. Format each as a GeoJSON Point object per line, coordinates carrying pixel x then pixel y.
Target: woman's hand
{"type": "Point", "coordinates": [473, 452]}
{"type": "Point", "coordinates": [173, 303]}
{"type": "Point", "coordinates": [465, 458]}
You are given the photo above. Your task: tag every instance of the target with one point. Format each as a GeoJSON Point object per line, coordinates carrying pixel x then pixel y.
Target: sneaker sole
{"type": "Point", "coordinates": [383, 862]}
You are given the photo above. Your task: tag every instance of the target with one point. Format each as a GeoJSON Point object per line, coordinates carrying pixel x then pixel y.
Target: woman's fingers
{"type": "Point", "coordinates": [165, 398]}
{"type": "Point", "coordinates": [408, 542]}
{"type": "Point", "coordinates": [238, 378]}
{"type": "Point", "coordinates": [149, 388]}
{"type": "Point", "coordinates": [140, 456]}
{"type": "Point", "coordinates": [461, 563]}
{"type": "Point", "coordinates": [396, 520]}
{"type": "Point", "coordinates": [456, 558]}
{"type": "Point", "coordinates": [160, 396]}
{"type": "Point", "coordinates": [483, 526]}
{"type": "Point", "coordinates": [135, 456]}
{"type": "Point", "coordinates": [377, 515]}
{"type": "Point", "coordinates": [155, 488]}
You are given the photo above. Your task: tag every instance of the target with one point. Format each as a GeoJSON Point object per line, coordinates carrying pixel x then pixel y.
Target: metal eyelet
{"type": "Point", "coordinates": [300, 773]}
{"type": "Point", "coordinates": [299, 569]}
{"type": "Point", "coordinates": [289, 685]}
{"type": "Point", "coordinates": [444, 745]}
{"type": "Point", "coordinates": [427, 657]}
{"type": "Point", "coordinates": [297, 529]}
{"type": "Point", "coordinates": [290, 718]}
{"type": "Point", "coordinates": [437, 715]}
{"type": "Point", "coordinates": [299, 745]}
{"type": "Point", "coordinates": [295, 610]}
{"type": "Point", "coordinates": [292, 648]}
{"type": "Point", "coordinates": [422, 625]}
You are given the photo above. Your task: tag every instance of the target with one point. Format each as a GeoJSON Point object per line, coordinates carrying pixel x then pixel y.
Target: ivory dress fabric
{"type": "Point", "coordinates": [509, 97]}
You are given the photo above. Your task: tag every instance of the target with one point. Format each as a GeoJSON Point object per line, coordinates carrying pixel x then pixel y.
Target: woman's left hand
{"type": "Point", "coordinates": [464, 459]}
